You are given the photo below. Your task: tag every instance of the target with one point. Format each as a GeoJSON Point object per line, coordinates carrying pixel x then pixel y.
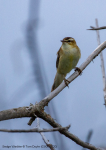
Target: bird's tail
{"type": "Point", "coordinates": [57, 81]}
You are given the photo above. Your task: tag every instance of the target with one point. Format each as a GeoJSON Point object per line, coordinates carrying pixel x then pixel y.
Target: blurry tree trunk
{"type": "Point", "coordinates": [37, 63]}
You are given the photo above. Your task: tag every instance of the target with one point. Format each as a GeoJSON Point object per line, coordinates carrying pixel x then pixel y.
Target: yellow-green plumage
{"type": "Point", "coordinates": [67, 59]}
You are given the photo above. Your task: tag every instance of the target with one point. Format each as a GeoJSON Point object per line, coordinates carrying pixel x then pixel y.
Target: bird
{"type": "Point", "coordinates": [67, 59]}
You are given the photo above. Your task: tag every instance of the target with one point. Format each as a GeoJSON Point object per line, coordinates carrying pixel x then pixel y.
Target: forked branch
{"type": "Point", "coordinates": [38, 109]}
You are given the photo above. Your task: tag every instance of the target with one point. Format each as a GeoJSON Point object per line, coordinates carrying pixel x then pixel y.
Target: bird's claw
{"type": "Point", "coordinates": [79, 70]}
{"type": "Point", "coordinates": [66, 82]}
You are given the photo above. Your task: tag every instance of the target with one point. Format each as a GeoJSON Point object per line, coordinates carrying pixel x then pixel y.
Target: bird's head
{"type": "Point", "coordinates": [68, 40]}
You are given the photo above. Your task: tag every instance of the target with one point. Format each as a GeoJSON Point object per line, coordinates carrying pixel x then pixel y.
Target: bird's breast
{"type": "Point", "coordinates": [68, 59]}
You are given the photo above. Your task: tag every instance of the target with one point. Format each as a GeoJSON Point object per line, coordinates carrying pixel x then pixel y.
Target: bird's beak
{"type": "Point", "coordinates": [62, 41]}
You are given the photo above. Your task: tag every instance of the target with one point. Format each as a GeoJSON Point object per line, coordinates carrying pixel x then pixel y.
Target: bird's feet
{"type": "Point", "coordinates": [66, 82]}
{"type": "Point", "coordinates": [79, 70]}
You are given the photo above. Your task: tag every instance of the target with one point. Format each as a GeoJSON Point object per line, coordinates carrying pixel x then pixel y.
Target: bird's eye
{"type": "Point", "coordinates": [69, 41]}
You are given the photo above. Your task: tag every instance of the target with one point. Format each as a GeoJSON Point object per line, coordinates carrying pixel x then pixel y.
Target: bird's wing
{"type": "Point", "coordinates": [58, 57]}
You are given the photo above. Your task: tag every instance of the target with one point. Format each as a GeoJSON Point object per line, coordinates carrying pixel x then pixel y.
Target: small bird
{"type": "Point", "coordinates": [67, 59]}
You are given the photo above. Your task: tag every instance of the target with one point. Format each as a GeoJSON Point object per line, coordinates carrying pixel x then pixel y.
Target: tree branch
{"type": "Point", "coordinates": [43, 137]}
{"type": "Point", "coordinates": [97, 28]}
{"type": "Point", "coordinates": [50, 120]}
{"type": "Point", "coordinates": [31, 120]}
{"type": "Point", "coordinates": [94, 54]}
{"type": "Point", "coordinates": [38, 109]}
{"type": "Point", "coordinates": [74, 138]}
{"type": "Point", "coordinates": [36, 130]}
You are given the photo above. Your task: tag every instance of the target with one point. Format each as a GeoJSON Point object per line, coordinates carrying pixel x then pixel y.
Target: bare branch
{"type": "Point", "coordinates": [36, 130]}
{"type": "Point", "coordinates": [97, 28]}
{"type": "Point", "coordinates": [44, 138]}
{"type": "Point", "coordinates": [50, 120]}
{"type": "Point", "coordinates": [102, 65]}
{"type": "Point", "coordinates": [74, 138]}
{"type": "Point", "coordinates": [95, 53]}
{"type": "Point", "coordinates": [38, 109]}
{"type": "Point", "coordinates": [31, 120]}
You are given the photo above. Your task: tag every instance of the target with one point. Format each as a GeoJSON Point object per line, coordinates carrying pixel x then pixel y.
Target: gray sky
{"type": "Point", "coordinates": [81, 104]}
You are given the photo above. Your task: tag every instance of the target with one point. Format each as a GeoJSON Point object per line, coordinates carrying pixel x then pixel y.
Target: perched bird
{"type": "Point", "coordinates": [67, 59]}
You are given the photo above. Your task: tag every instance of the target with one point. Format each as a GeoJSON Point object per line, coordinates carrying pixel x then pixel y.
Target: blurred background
{"type": "Point", "coordinates": [30, 34]}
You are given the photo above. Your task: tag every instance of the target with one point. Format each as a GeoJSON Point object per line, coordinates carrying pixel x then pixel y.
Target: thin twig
{"type": "Point", "coordinates": [43, 136]}
{"type": "Point", "coordinates": [35, 130]}
{"type": "Point", "coordinates": [97, 28]}
{"type": "Point", "coordinates": [102, 64]}
{"type": "Point", "coordinates": [31, 120]}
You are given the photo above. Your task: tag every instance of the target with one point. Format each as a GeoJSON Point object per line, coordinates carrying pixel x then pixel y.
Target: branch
{"type": "Point", "coordinates": [44, 138]}
{"type": "Point", "coordinates": [74, 138]}
{"type": "Point", "coordinates": [31, 120]}
{"type": "Point", "coordinates": [95, 53]}
{"type": "Point", "coordinates": [51, 121]}
{"type": "Point", "coordinates": [36, 130]}
{"type": "Point", "coordinates": [30, 111]}
{"type": "Point", "coordinates": [38, 109]}
{"type": "Point", "coordinates": [97, 28]}
{"type": "Point", "coordinates": [102, 65]}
